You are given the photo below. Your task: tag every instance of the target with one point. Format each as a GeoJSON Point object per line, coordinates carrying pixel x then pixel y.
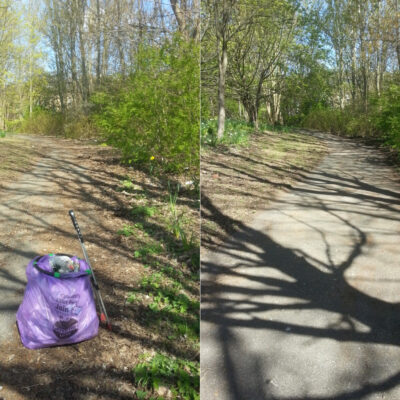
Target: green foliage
{"type": "Point", "coordinates": [180, 376]}
{"type": "Point", "coordinates": [127, 184]}
{"type": "Point", "coordinates": [382, 121]}
{"type": "Point", "coordinates": [127, 230]}
{"type": "Point", "coordinates": [43, 122]}
{"type": "Point", "coordinates": [327, 120]}
{"type": "Point", "coordinates": [168, 307]}
{"type": "Point", "coordinates": [2, 134]}
{"type": "Point", "coordinates": [387, 115]}
{"type": "Point", "coordinates": [54, 123]}
{"type": "Point", "coordinates": [155, 112]}
{"type": "Point", "coordinates": [345, 122]}
{"type": "Point", "coordinates": [305, 93]}
{"type": "Point", "coordinates": [79, 126]}
{"type": "Point", "coordinates": [149, 249]}
{"type": "Point", "coordinates": [236, 132]}
{"type": "Point", "coordinates": [176, 219]}
{"type": "Point", "coordinates": [143, 211]}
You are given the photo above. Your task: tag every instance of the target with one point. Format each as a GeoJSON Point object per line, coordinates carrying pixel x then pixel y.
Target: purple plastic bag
{"type": "Point", "coordinates": [56, 310]}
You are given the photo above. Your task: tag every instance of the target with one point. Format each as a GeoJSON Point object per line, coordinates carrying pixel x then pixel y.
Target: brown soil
{"type": "Point", "coordinates": [238, 181]}
{"type": "Point", "coordinates": [17, 156]}
{"type": "Point", "coordinates": [100, 368]}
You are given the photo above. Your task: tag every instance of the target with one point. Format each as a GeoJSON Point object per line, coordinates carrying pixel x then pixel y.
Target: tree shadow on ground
{"type": "Point", "coordinates": [250, 266]}
{"type": "Point", "coordinates": [91, 191]}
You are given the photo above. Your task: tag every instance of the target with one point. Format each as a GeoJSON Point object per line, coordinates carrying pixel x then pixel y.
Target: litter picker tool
{"type": "Point", "coordinates": [103, 313]}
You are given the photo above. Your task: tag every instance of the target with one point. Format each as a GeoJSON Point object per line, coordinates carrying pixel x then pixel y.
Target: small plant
{"type": "Point", "coordinates": [209, 132]}
{"type": "Point", "coordinates": [180, 376]}
{"type": "Point", "coordinates": [148, 250]}
{"type": "Point", "coordinates": [127, 184]}
{"type": "Point", "coordinates": [2, 134]}
{"type": "Point", "coordinates": [143, 211]}
{"type": "Point", "coordinates": [151, 282]}
{"type": "Point", "coordinates": [177, 219]}
{"type": "Point", "coordinates": [169, 308]}
{"type": "Point", "coordinates": [127, 230]}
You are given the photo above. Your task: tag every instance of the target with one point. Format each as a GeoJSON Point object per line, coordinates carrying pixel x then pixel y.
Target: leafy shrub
{"type": "Point", "coordinates": [43, 122]}
{"type": "Point", "coordinates": [348, 122]}
{"type": "Point", "coordinates": [387, 115]}
{"type": "Point", "coordinates": [80, 126]}
{"type": "Point", "coordinates": [155, 112]}
{"type": "Point", "coordinates": [381, 121]}
{"type": "Point", "coordinates": [326, 119]}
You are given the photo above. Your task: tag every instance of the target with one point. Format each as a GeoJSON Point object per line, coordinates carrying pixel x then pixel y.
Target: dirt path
{"type": "Point", "coordinates": [33, 220]}
{"type": "Point", "coordinates": [34, 204]}
{"type": "Point", "coordinates": [304, 302]}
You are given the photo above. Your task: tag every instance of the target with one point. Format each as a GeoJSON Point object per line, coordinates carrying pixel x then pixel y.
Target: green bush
{"type": "Point", "coordinates": [155, 112]}
{"type": "Point", "coordinates": [381, 121]}
{"type": "Point", "coordinates": [80, 126]}
{"type": "Point", "coordinates": [387, 115]}
{"type": "Point", "coordinates": [43, 122]}
{"type": "Point", "coordinates": [327, 120]}
{"type": "Point", "coordinates": [348, 122]}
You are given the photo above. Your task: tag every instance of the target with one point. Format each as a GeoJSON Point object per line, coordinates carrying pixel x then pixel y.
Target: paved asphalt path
{"type": "Point", "coordinates": [304, 302]}
{"type": "Point", "coordinates": [31, 207]}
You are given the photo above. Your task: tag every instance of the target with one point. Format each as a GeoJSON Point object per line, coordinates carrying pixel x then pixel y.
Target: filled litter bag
{"type": "Point", "coordinates": [58, 306]}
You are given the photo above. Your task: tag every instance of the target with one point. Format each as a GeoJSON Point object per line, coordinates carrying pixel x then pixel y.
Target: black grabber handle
{"type": "Point", "coordinates": [76, 226]}
{"type": "Point", "coordinates": [103, 313]}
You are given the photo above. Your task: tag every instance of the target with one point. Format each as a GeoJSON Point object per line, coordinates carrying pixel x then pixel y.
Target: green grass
{"type": "Point", "coordinates": [176, 219]}
{"type": "Point", "coordinates": [166, 297]}
{"type": "Point", "coordinates": [149, 249]}
{"type": "Point", "coordinates": [236, 132]}
{"type": "Point", "coordinates": [127, 230]}
{"type": "Point", "coordinates": [182, 377]}
{"type": "Point", "coordinates": [127, 184]}
{"type": "Point", "coordinates": [143, 211]}
{"type": "Point", "coordinates": [167, 304]}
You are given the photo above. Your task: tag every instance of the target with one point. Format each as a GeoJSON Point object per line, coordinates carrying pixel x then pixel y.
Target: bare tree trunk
{"type": "Point", "coordinates": [269, 107]}
{"type": "Point", "coordinates": [105, 58]}
{"type": "Point", "coordinates": [180, 15]}
{"type": "Point", "coordinates": [223, 63]}
{"type": "Point", "coordinates": [252, 112]}
{"type": "Point", "coordinates": [353, 72]}
{"type": "Point", "coordinates": [98, 42]}
{"type": "Point", "coordinates": [277, 108]}
{"type": "Point", "coordinates": [197, 21]}
{"type": "Point", "coordinates": [341, 88]}
{"type": "Point", "coordinates": [74, 75]}
{"type": "Point", "coordinates": [118, 39]}
{"type": "Point", "coordinates": [396, 4]}
{"type": "Point", "coordinates": [82, 50]}
{"type": "Point", "coordinates": [60, 77]}
{"type": "Point", "coordinates": [30, 62]}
